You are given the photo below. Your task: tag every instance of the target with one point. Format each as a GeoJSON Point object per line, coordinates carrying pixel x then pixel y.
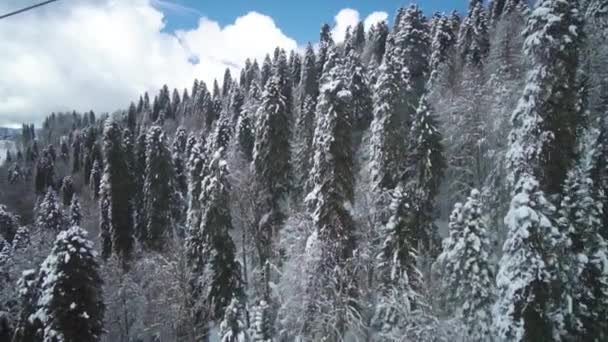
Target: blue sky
{"type": "Point", "coordinates": [298, 19]}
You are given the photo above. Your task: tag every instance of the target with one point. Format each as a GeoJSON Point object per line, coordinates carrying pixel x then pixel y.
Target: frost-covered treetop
{"type": "Point", "coordinates": [552, 25]}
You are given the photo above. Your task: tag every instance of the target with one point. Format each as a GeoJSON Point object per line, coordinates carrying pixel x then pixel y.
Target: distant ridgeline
{"type": "Point", "coordinates": [305, 199]}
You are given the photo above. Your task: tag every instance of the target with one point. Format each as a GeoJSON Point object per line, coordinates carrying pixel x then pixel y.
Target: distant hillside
{"type": "Point", "coordinates": [9, 133]}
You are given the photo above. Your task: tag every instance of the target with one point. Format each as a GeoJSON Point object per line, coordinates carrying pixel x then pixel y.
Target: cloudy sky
{"type": "Point", "coordinates": [101, 54]}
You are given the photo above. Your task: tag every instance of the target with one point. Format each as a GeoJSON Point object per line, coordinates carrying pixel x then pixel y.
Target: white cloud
{"type": "Point", "coordinates": [252, 35]}
{"type": "Point", "coordinates": [345, 18]}
{"type": "Point", "coordinates": [92, 54]}
{"type": "Point", "coordinates": [374, 17]}
{"type": "Point", "coordinates": [349, 17]}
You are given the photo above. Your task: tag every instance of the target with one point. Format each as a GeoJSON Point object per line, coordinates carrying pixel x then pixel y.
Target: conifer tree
{"type": "Point", "coordinates": [587, 258]}
{"type": "Point", "coordinates": [132, 116]}
{"type": "Point", "coordinates": [281, 71]}
{"type": "Point", "coordinates": [496, 9]}
{"type": "Point", "coordinates": [28, 328]}
{"type": "Point", "coordinates": [95, 179]}
{"type": "Point", "coordinates": [105, 223]}
{"type": "Point", "coordinates": [196, 166]}
{"type": "Point", "coordinates": [9, 224]}
{"type": "Point", "coordinates": [197, 245]}
{"type": "Point", "coordinates": [245, 126]}
{"type": "Point", "coordinates": [45, 172]}
{"type": "Point", "coordinates": [542, 142]}
{"type": "Point", "coordinates": [175, 103]}
{"type": "Point", "coordinates": [115, 187]}
{"type": "Point", "coordinates": [526, 308]}
{"type": "Point", "coordinates": [70, 306]}
{"type": "Point", "coordinates": [473, 40]}
{"type": "Point", "coordinates": [226, 83]}
{"type": "Point", "coordinates": [271, 162]}
{"type": "Point", "coordinates": [232, 327]}
{"type": "Point", "coordinates": [76, 155]}
{"type": "Point", "coordinates": [403, 75]}
{"type": "Point", "coordinates": [412, 44]}
{"type": "Point", "coordinates": [252, 74]}
{"type": "Point", "coordinates": [424, 168]}
{"type": "Point", "coordinates": [446, 266]}
{"type": "Point", "coordinates": [65, 151]}
{"type": "Point", "coordinates": [295, 68]}
{"type": "Point", "coordinates": [262, 326]}
{"type": "Point", "coordinates": [388, 134]}
{"type": "Point", "coordinates": [266, 71]}
{"type": "Point", "coordinates": [443, 41]}
{"type": "Point", "coordinates": [75, 212]}
{"type": "Point", "coordinates": [67, 190]}
{"type": "Point", "coordinates": [376, 44]}
{"type": "Point", "coordinates": [473, 272]}
{"type": "Point", "coordinates": [178, 150]}
{"type": "Point", "coordinates": [325, 42]}
{"type": "Point", "coordinates": [139, 180]}
{"type": "Point", "coordinates": [305, 123]}
{"type": "Point", "coordinates": [332, 194]}
{"type": "Point", "coordinates": [216, 223]}
{"type": "Point", "coordinates": [50, 217]}
{"type": "Point", "coordinates": [159, 190]}
{"type": "Point", "coordinates": [361, 106]}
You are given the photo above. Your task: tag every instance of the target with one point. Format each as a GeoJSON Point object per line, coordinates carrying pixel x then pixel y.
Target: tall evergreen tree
{"type": "Point", "coordinates": [362, 110]}
{"type": "Point", "coordinates": [95, 179]}
{"type": "Point", "coordinates": [526, 308]}
{"type": "Point", "coordinates": [178, 152]}
{"type": "Point", "coordinates": [67, 190]}
{"type": "Point", "coordinates": [542, 142]}
{"type": "Point", "coordinates": [271, 162]}
{"type": "Point", "coordinates": [49, 217]}
{"type": "Point", "coordinates": [332, 195]}
{"type": "Point", "coordinates": [216, 224]}
{"type": "Point", "coordinates": [266, 71]}
{"type": "Point", "coordinates": [587, 258]}
{"type": "Point", "coordinates": [471, 272]}
{"type": "Point", "coordinates": [443, 41]}
{"type": "Point", "coordinates": [473, 39]}
{"type": "Point", "coordinates": [75, 212]}
{"type": "Point", "coordinates": [70, 306]}
{"type": "Point", "coordinates": [159, 190]}
{"type": "Point", "coordinates": [115, 187]}
{"type": "Point", "coordinates": [325, 42]}
{"type": "Point", "coordinates": [305, 123]}
{"type": "Point", "coordinates": [245, 126]}
{"type": "Point", "coordinates": [45, 172]}
{"type": "Point", "coordinates": [139, 180]}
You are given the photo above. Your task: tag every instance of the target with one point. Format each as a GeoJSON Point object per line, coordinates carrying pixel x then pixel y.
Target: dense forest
{"type": "Point", "coordinates": [441, 179]}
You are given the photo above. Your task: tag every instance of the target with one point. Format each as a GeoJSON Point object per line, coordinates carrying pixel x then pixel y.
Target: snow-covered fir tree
{"type": "Point", "coordinates": [305, 123]}
{"type": "Point", "coordinates": [225, 283]}
{"type": "Point", "coordinates": [271, 155]}
{"type": "Point", "coordinates": [526, 309]}
{"type": "Point", "coordinates": [67, 190]}
{"type": "Point", "coordinates": [587, 259]}
{"type": "Point", "coordinates": [330, 201]}
{"type": "Point", "coordinates": [232, 328]}
{"type": "Point", "coordinates": [115, 189]}
{"type": "Point", "coordinates": [159, 190]}
{"type": "Point", "coordinates": [467, 274]}
{"type": "Point", "coordinates": [50, 217]}
{"type": "Point", "coordinates": [70, 304]}
{"type": "Point", "coordinates": [75, 218]}
{"type": "Point", "coordinates": [473, 40]}
{"type": "Point", "coordinates": [542, 142]}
